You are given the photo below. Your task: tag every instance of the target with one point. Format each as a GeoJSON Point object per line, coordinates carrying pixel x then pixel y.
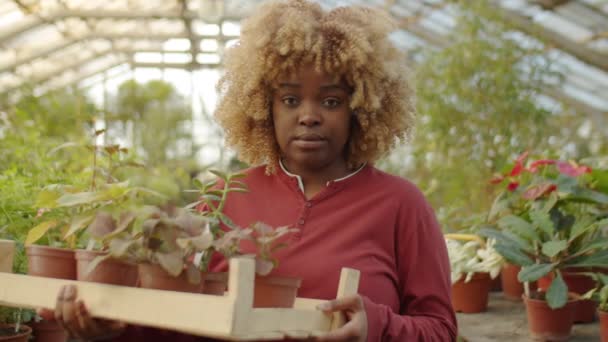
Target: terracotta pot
{"type": "Point", "coordinates": [47, 331]}
{"type": "Point", "coordinates": [471, 297]}
{"type": "Point", "coordinates": [603, 325]}
{"type": "Point", "coordinates": [275, 291]}
{"type": "Point", "coordinates": [154, 277]}
{"type": "Point", "coordinates": [22, 336]}
{"type": "Point", "coordinates": [215, 283]}
{"type": "Point", "coordinates": [512, 289]}
{"type": "Point", "coordinates": [109, 271]}
{"type": "Point", "coordinates": [580, 284]}
{"type": "Point", "coordinates": [547, 324]}
{"type": "Point", "coordinates": [50, 262]}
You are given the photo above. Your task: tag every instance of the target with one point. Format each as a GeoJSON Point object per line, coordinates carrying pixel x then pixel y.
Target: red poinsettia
{"type": "Point", "coordinates": [572, 169]}
{"type": "Point", "coordinates": [517, 169]}
{"type": "Point", "coordinates": [534, 166]}
{"type": "Point", "coordinates": [539, 190]}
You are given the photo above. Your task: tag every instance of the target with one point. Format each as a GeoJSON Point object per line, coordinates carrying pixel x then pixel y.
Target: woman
{"type": "Point", "coordinates": [314, 99]}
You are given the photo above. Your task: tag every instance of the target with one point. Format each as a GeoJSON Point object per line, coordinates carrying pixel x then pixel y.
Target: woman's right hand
{"type": "Point", "coordinates": [72, 315]}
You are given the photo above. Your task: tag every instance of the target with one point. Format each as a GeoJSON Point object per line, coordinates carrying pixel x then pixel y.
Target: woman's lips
{"type": "Point", "coordinates": [309, 141]}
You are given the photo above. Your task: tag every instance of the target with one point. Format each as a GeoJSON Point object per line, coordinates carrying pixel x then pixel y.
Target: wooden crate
{"type": "Point", "coordinates": [229, 317]}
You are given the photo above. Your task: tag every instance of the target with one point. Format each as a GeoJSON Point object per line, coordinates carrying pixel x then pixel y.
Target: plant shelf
{"type": "Point", "coordinates": [229, 317]}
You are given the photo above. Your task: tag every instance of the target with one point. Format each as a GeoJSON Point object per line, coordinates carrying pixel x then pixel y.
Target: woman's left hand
{"type": "Point", "coordinates": [355, 329]}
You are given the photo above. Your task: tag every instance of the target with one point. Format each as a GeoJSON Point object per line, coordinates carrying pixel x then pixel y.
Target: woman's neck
{"type": "Point", "coordinates": [315, 179]}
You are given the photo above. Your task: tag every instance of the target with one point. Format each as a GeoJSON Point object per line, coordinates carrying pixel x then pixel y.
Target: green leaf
{"type": "Point", "coordinates": [227, 221]}
{"type": "Point", "coordinates": [557, 294]}
{"type": "Point", "coordinates": [534, 272]}
{"type": "Point", "coordinates": [70, 200]}
{"type": "Point", "coordinates": [78, 223]}
{"type": "Point", "coordinates": [37, 232]}
{"type": "Point", "coordinates": [505, 238]}
{"type": "Point", "coordinates": [519, 226]}
{"type": "Point", "coordinates": [513, 255]}
{"type": "Point", "coordinates": [543, 221]}
{"type": "Point", "coordinates": [171, 262]}
{"type": "Point", "coordinates": [601, 179]}
{"type": "Point", "coordinates": [552, 248]}
{"type": "Point", "coordinates": [593, 245]}
{"type": "Point", "coordinates": [219, 174]}
{"type": "Point", "coordinates": [498, 206]}
{"type": "Point", "coordinates": [597, 259]}
{"type": "Point", "coordinates": [588, 196]}
{"type": "Point", "coordinates": [580, 227]}
{"type": "Point", "coordinates": [95, 262]}
{"type": "Point", "coordinates": [47, 199]}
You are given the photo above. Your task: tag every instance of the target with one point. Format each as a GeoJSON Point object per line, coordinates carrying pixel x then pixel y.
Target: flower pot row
{"type": "Point", "coordinates": [544, 323]}
{"type": "Point", "coordinates": [43, 261]}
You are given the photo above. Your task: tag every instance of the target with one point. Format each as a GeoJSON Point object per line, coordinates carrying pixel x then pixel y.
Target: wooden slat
{"type": "Point", "coordinates": [229, 317]}
{"type": "Point", "coordinates": [349, 285]}
{"type": "Point", "coordinates": [193, 313]}
{"type": "Point", "coordinates": [7, 252]}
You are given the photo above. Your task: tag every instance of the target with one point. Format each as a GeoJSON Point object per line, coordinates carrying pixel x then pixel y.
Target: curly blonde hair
{"type": "Point", "coordinates": [351, 42]}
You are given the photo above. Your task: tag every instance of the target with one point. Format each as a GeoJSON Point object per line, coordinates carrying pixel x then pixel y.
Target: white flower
{"type": "Point", "coordinates": [469, 258]}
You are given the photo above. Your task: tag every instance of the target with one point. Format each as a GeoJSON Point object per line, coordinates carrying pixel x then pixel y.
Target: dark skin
{"type": "Point", "coordinates": [312, 121]}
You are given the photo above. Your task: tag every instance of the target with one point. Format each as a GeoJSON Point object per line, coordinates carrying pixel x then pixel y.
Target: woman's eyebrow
{"type": "Point", "coordinates": [335, 87]}
{"type": "Point", "coordinates": [289, 85]}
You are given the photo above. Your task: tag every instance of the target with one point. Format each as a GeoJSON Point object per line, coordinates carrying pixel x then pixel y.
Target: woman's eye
{"type": "Point", "coordinates": [331, 102]}
{"type": "Point", "coordinates": [289, 101]}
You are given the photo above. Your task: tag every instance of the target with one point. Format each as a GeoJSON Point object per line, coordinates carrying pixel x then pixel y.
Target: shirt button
{"type": "Point", "coordinates": [308, 204]}
{"type": "Point", "coordinates": [301, 222]}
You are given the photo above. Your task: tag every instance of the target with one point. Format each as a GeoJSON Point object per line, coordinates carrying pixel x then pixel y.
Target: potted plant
{"type": "Point", "coordinates": [231, 240]}
{"type": "Point", "coordinates": [12, 328]}
{"type": "Point", "coordinates": [162, 241]}
{"type": "Point", "coordinates": [549, 225]}
{"type": "Point", "coordinates": [66, 210]}
{"type": "Point", "coordinates": [600, 295]}
{"type": "Point", "coordinates": [578, 199]}
{"type": "Point", "coordinates": [473, 262]}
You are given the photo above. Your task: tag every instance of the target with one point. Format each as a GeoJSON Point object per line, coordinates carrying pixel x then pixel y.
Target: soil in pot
{"type": "Point", "coordinates": [546, 324]}
{"type": "Point", "coordinates": [604, 325]}
{"type": "Point", "coordinates": [471, 297]}
{"type": "Point", "coordinates": [155, 277]}
{"type": "Point", "coordinates": [109, 271]}
{"type": "Point", "coordinates": [215, 283]}
{"type": "Point", "coordinates": [47, 331]}
{"type": "Point", "coordinates": [51, 262]}
{"type": "Point", "coordinates": [7, 333]}
{"type": "Point", "coordinates": [512, 289]}
{"type": "Point", "coordinates": [275, 291]}
{"type": "Point", "coordinates": [580, 284]}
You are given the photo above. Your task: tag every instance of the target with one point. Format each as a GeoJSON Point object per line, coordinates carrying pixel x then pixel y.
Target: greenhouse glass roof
{"type": "Point", "coordinates": [51, 44]}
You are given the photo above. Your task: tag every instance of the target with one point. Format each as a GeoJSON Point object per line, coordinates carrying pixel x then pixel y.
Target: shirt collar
{"type": "Point", "coordinates": [301, 184]}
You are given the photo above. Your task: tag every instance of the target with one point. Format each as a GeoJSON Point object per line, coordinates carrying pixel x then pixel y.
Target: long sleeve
{"type": "Point", "coordinates": [424, 271]}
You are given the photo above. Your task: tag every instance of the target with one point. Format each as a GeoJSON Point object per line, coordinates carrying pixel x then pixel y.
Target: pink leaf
{"type": "Point", "coordinates": [539, 190]}
{"type": "Point", "coordinates": [572, 169]}
{"type": "Point", "coordinates": [541, 162]}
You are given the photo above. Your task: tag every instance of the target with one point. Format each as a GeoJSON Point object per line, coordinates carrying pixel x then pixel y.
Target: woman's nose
{"type": "Point", "coordinates": [309, 115]}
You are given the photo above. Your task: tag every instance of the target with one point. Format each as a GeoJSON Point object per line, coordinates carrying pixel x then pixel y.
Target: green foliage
{"type": "Point", "coordinates": [476, 105]}
{"type": "Point", "coordinates": [157, 120]}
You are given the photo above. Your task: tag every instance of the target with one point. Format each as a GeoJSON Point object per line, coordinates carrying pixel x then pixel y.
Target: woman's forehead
{"type": "Point", "coordinates": [307, 73]}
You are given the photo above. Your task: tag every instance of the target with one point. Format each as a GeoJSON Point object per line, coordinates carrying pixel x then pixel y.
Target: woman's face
{"type": "Point", "coordinates": [311, 120]}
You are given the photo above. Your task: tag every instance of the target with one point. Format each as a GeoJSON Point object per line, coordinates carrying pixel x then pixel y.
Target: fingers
{"type": "Point", "coordinates": [348, 332]}
{"type": "Point", "coordinates": [66, 311]}
{"type": "Point", "coordinates": [349, 303]}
